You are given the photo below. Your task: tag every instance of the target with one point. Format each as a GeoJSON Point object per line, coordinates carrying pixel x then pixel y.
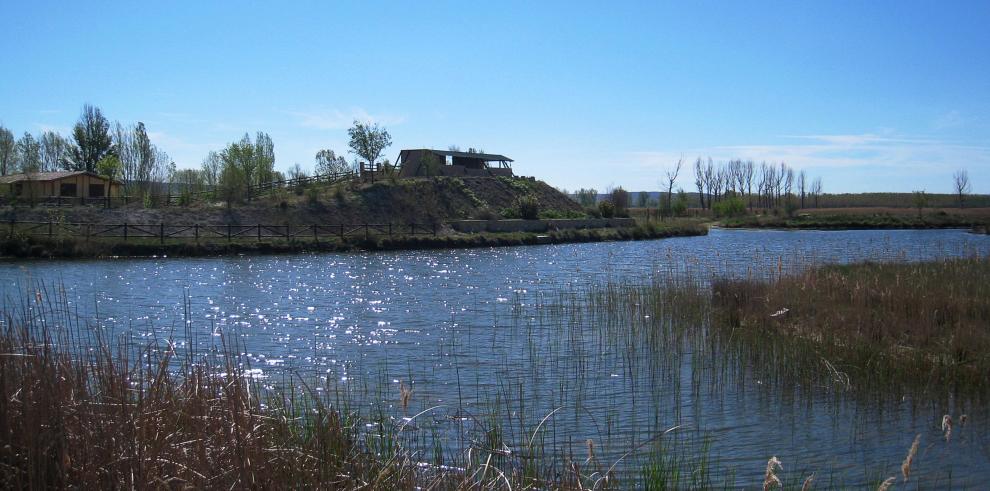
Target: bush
{"type": "Point", "coordinates": [528, 207]}
{"type": "Point", "coordinates": [606, 209]}
{"type": "Point", "coordinates": [592, 211]}
{"type": "Point", "coordinates": [729, 207]}
{"type": "Point", "coordinates": [313, 195]}
{"type": "Point", "coordinates": [486, 214]}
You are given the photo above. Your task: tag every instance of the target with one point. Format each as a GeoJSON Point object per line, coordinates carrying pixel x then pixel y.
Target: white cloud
{"type": "Point", "coordinates": [336, 119]}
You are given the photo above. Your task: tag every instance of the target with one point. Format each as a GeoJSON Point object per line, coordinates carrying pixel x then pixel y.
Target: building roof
{"type": "Point", "coordinates": [47, 176]}
{"type": "Point", "coordinates": [487, 157]}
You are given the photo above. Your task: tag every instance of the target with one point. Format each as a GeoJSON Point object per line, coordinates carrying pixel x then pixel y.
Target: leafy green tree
{"type": "Point", "coordinates": [29, 151]}
{"type": "Point", "coordinates": [92, 136]}
{"type": "Point", "coordinates": [8, 152]}
{"type": "Point", "coordinates": [368, 141]}
{"type": "Point", "coordinates": [327, 163]}
{"type": "Point", "coordinates": [109, 167]}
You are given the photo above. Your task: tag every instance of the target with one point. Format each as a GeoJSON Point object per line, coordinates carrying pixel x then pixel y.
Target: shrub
{"type": "Point", "coordinates": [528, 207]}
{"type": "Point", "coordinates": [486, 214]}
{"type": "Point", "coordinates": [729, 207]}
{"type": "Point", "coordinates": [606, 209]}
{"type": "Point", "coordinates": [592, 211]}
{"type": "Point", "coordinates": [313, 195]}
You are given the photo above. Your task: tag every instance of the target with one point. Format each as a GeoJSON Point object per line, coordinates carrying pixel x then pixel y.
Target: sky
{"type": "Point", "coordinates": [870, 96]}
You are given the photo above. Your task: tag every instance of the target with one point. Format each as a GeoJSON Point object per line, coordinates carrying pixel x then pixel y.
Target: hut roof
{"type": "Point", "coordinates": [487, 157]}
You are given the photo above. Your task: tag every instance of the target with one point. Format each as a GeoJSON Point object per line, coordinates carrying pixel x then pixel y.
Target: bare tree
{"type": "Point", "coordinates": [8, 152]}
{"type": "Point", "coordinates": [671, 177]}
{"type": "Point", "coordinates": [56, 152]}
{"type": "Point", "coordinates": [699, 181]}
{"type": "Point", "coordinates": [802, 185]}
{"type": "Point", "coordinates": [961, 180]}
{"type": "Point", "coordinates": [211, 167]}
{"type": "Point", "coordinates": [329, 163]}
{"type": "Point", "coordinates": [29, 151]}
{"type": "Point", "coordinates": [816, 189]}
{"type": "Point", "coordinates": [748, 171]}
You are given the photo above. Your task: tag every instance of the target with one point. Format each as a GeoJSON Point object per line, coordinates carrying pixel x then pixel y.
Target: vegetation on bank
{"type": "Point", "coordinates": [863, 220]}
{"type": "Point", "coordinates": [69, 247]}
{"type": "Point", "coordinates": [875, 325]}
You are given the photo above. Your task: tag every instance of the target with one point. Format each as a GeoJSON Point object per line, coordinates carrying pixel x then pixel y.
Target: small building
{"type": "Point", "coordinates": [66, 184]}
{"type": "Point", "coordinates": [428, 162]}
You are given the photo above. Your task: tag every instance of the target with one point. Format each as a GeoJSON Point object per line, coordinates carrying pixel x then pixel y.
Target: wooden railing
{"type": "Point", "coordinates": [162, 231]}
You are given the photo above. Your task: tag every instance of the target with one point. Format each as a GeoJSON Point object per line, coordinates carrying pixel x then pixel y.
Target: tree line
{"type": "Point", "coordinates": [125, 153]}
{"type": "Point", "coordinates": [117, 151]}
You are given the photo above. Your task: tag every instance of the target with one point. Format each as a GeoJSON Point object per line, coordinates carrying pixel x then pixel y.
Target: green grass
{"type": "Point", "coordinates": [847, 221]}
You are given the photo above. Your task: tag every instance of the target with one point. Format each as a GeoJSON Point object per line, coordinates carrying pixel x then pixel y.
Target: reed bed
{"type": "Point", "coordinates": [916, 325]}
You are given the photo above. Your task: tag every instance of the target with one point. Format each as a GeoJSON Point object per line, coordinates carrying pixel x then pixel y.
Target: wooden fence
{"type": "Point", "coordinates": [172, 199]}
{"type": "Point", "coordinates": [229, 232]}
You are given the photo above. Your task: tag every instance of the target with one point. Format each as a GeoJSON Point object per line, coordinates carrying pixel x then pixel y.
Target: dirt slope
{"type": "Point", "coordinates": [426, 200]}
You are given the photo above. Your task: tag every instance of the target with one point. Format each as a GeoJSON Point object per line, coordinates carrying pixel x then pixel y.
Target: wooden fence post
{"type": "Point", "coordinates": [434, 229]}
{"type": "Point", "coordinates": [196, 231]}
{"type": "Point", "coordinates": [49, 229]}
{"type": "Point", "coordinates": [125, 231]}
{"type": "Point", "coordinates": [259, 232]}
{"type": "Point", "coordinates": [228, 232]}
{"type": "Point", "coordinates": [341, 231]}
{"type": "Point", "coordinates": [389, 229]}
{"type": "Point", "coordinates": [11, 228]}
{"type": "Point", "coordinates": [89, 231]}
{"type": "Point", "coordinates": [316, 238]}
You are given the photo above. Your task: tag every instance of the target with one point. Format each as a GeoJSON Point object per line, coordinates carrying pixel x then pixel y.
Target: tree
{"type": "Point", "coordinates": [368, 141]}
{"type": "Point", "coordinates": [699, 180]}
{"type": "Point", "coordinates": [620, 199]}
{"type": "Point", "coordinates": [586, 197]}
{"type": "Point", "coordinates": [961, 181]}
{"type": "Point", "coordinates": [8, 152]}
{"type": "Point", "coordinates": [56, 152]}
{"type": "Point", "coordinates": [109, 167]}
{"type": "Point", "coordinates": [210, 169]}
{"type": "Point", "coordinates": [264, 154]}
{"type": "Point", "coordinates": [329, 163]}
{"type": "Point", "coordinates": [802, 185]}
{"type": "Point", "coordinates": [816, 189]}
{"type": "Point", "coordinates": [29, 151]}
{"type": "Point", "coordinates": [92, 136]}
{"type": "Point", "coordinates": [920, 199]}
{"type": "Point", "coordinates": [642, 199]}
{"type": "Point", "coordinates": [671, 177]}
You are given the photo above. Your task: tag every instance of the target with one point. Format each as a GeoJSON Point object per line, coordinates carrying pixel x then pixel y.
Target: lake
{"type": "Point", "coordinates": [498, 338]}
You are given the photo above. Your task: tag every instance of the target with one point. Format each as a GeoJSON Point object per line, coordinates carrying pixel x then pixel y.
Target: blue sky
{"type": "Point", "coordinates": [871, 96]}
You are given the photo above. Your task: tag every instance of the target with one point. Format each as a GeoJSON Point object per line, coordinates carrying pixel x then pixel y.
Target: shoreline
{"type": "Point", "coordinates": [20, 248]}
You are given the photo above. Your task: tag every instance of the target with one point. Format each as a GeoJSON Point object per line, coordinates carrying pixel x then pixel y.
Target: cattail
{"type": "Point", "coordinates": [591, 450]}
{"type": "Point", "coordinates": [884, 486]}
{"type": "Point", "coordinates": [906, 465]}
{"type": "Point", "coordinates": [947, 427]}
{"type": "Point", "coordinates": [770, 478]}
{"type": "Point", "coordinates": [807, 482]}
{"type": "Point", "coordinates": [962, 420]}
{"type": "Point", "coordinates": [405, 394]}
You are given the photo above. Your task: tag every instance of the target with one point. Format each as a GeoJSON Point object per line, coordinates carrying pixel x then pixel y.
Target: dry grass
{"type": "Point", "coordinates": [923, 322]}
